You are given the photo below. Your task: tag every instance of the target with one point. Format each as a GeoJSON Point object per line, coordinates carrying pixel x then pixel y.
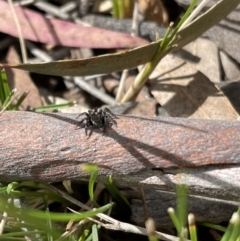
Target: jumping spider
{"type": "Point", "coordinates": [97, 119]}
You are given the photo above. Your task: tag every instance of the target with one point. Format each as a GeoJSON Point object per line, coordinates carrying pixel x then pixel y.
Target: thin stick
{"type": "Point", "coordinates": [21, 40]}
{"type": "Point", "coordinates": [134, 32]}
{"type": "Point", "coordinates": [194, 13]}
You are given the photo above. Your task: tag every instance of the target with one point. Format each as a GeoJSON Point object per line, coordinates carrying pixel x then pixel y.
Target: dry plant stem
{"type": "Point", "coordinates": [21, 40]}
{"type": "Point", "coordinates": [68, 7]}
{"type": "Point", "coordinates": [153, 153]}
{"type": "Point", "coordinates": [111, 223]}
{"type": "Point", "coordinates": [135, 24]}
{"type": "Point", "coordinates": [26, 2]}
{"type": "Point", "coordinates": [135, 21]}
{"type": "Point", "coordinates": [142, 77]}
{"type": "Point", "coordinates": [99, 188]}
{"type": "Point", "coordinates": [40, 54]}
{"type": "Point", "coordinates": [3, 222]}
{"type": "Point", "coordinates": [51, 9]}
{"type": "Point", "coordinates": [120, 91]}
{"type": "Point", "coordinates": [10, 102]}
{"type": "Point", "coordinates": [121, 226]}
{"type": "Point", "coordinates": [194, 13]}
{"type": "Point", "coordinates": [80, 82]}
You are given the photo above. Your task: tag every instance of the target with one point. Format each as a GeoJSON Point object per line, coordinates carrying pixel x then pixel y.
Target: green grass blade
{"type": "Point", "coordinates": [20, 100]}
{"type": "Point", "coordinates": [93, 170]}
{"type": "Point", "coordinates": [91, 185]}
{"type": "Point", "coordinates": [54, 107]}
{"type": "Point", "coordinates": [151, 230]}
{"type": "Point", "coordinates": [174, 219]}
{"type": "Point", "coordinates": [41, 215]}
{"type": "Point", "coordinates": [13, 234]}
{"type": "Point", "coordinates": [86, 233]}
{"type": "Point", "coordinates": [12, 239]}
{"type": "Point", "coordinates": [11, 186]}
{"type": "Point", "coordinates": [192, 227]}
{"type": "Point", "coordinates": [165, 40]}
{"type": "Point", "coordinates": [213, 226]}
{"type": "Point", "coordinates": [8, 99]}
{"type": "Point", "coordinates": [37, 224]}
{"type": "Point", "coordinates": [228, 233]}
{"type": "Point", "coordinates": [185, 16]}
{"type": "Point", "coordinates": [91, 236]}
{"type": "Point", "coordinates": [6, 95]}
{"type": "Point", "coordinates": [115, 192]}
{"type": "Point", "coordinates": [5, 89]}
{"type": "Point", "coordinates": [95, 232]}
{"type": "Point", "coordinates": [238, 211]}
{"type": "Point", "coordinates": [236, 227]}
{"type": "Point", "coordinates": [115, 9]}
{"type": "Point", "coordinates": [182, 205]}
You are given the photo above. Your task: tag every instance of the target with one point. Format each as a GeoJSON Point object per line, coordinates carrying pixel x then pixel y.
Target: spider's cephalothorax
{"type": "Point", "coordinates": [98, 119]}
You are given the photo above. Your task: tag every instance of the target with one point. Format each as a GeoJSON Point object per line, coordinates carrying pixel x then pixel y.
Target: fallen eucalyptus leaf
{"type": "Point", "coordinates": [96, 65]}
{"type": "Point", "coordinates": [36, 27]}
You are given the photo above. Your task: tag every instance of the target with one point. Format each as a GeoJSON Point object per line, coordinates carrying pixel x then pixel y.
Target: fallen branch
{"type": "Point", "coordinates": [152, 153]}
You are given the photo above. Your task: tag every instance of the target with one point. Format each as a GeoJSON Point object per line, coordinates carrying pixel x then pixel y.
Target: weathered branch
{"type": "Point", "coordinates": [153, 153]}
{"type": "Point", "coordinates": [157, 203]}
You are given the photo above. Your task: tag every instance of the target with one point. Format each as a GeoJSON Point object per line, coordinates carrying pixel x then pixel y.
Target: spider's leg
{"type": "Point", "coordinates": [105, 122]}
{"type": "Point", "coordinates": [88, 125]}
{"type": "Point", "coordinates": [111, 119]}
{"type": "Point", "coordinates": [113, 122]}
{"type": "Point", "coordinates": [84, 113]}
{"type": "Point", "coordinates": [110, 114]}
{"type": "Point", "coordinates": [91, 131]}
{"type": "Point", "coordinates": [104, 129]}
{"type": "Point", "coordinates": [86, 128]}
{"type": "Point", "coordinates": [80, 122]}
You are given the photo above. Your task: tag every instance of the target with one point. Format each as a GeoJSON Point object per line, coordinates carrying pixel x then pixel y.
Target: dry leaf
{"type": "Point", "coordinates": [206, 52]}
{"type": "Point", "coordinates": [38, 28]}
{"type": "Point", "coordinates": [22, 82]}
{"type": "Point", "coordinates": [107, 63]}
{"type": "Point", "coordinates": [183, 91]}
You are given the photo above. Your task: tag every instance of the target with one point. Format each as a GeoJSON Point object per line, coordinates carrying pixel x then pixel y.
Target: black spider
{"type": "Point", "coordinates": [98, 119]}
